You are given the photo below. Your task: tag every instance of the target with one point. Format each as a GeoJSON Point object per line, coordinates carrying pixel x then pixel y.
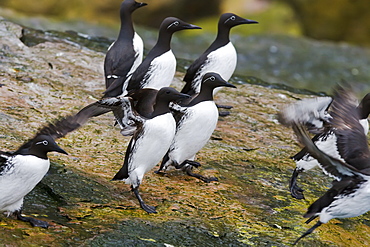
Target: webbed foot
{"type": "Point", "coordinates": [143, 205]}
{"type": "Point", "coordinates": [196, 175]}
{"type": "Point", "coordinates": [295, 190]}
{"type": "Point", "coordinates": [32, 221]}
{"type": "Point", "coordinates": [149, 209]}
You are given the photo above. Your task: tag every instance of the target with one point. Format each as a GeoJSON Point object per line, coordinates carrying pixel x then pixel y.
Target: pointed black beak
{"type": "Point", "coordinates": [247, 21]}
{"type": "Point", "coordinates": [142, 5]}
{"type": "Point", "coordinates": [180, 97]}
{"type": "Point", "coordinates": [60, 150]}
{"type": "Point", "coordinates": [190, 26]}
{"type": "Point", "coordinates": [226, 84]}
{"type": "Point", "coordinates": [183, 96]}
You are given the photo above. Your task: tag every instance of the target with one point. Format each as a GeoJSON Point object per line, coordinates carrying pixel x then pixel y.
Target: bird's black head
{"type": "Point", "coordinates": [43, 144]}
{"type": "Point", "coordinates": [213, 80]}
{"type": "Point", "coordinates": [173, 24]}
{"type": "Point", "coordinates": [169, 94]}
{"type": "Point", "coordinates": [210, 81]}
{"type": "Point", "coordinates": [164, 96]}
{"type": "Point", "coordinates": [131, 5]}
{"type": "Point", "coordinates": [230, 20]}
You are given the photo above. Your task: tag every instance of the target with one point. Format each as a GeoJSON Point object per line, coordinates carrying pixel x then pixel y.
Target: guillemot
{"type": "Point", "coordinates": [349, 195]}
{"type": "Point", "coordinates": [21, 171]}
{"type": "Point", "coordinates": [125, 54]}
{"type": "Point", "coordinates": [220, 57]}
{"type": "Point", "coordinates": [326, 141]}
{"type": "Point", "coordinates": [195, 125]}
{"type": "Point", "coordinates": [150, 142]}
{"type": "Point", "coordinates": [159, 66]}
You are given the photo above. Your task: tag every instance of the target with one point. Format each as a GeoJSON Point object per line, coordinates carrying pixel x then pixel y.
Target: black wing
{"type": "Point", "coordinates": [192, 72]}
{"type": "Point", "coordinates": [351, 139]}
{"type": "Point", "coordinates": [4, 157]}
{"type": "Point", "coordinates": [347, 184]}
{"type": "Point", "coordinates": [139, 77]}
{"type": "Point", "coordinates": [303, 152]}
{"type": "Point", "coordinates": [329, 164]}
{"type": "Point", "coordinates": [118, 61]}
{"type": "Point", "coordinates": [65, 125]}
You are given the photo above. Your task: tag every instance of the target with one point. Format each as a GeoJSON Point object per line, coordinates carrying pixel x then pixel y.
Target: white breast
{"type": "Point", "coordinates": [193, 133]}
{"type": "Point", "coordinates": [222, 61]}
{"type": "Point", "coordinates": [348, 205]}
{"type": "Point", "coordinates": [161, 71]}
{"type": "Point", "coordinates": [138, 48]}
{"type": "Point", "coordinates": [151, 146]}
{"type": "Point", "coordinates": [27, 172]}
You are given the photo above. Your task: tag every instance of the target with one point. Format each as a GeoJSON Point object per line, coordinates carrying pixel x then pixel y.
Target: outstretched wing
{"type": "Point", "coordinates": [65, 125]}
{"type": "Point", "coordinates": [351, 139]}
{"type": "Point", "coordinates": [310, 112]}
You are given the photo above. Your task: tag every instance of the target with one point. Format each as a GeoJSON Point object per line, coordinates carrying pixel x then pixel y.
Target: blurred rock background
{"type": "Point", "coordinates": [344, 20]}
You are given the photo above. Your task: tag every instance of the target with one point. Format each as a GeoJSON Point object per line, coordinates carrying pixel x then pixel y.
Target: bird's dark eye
{"type": "Point", "coordinates": [167, 92]}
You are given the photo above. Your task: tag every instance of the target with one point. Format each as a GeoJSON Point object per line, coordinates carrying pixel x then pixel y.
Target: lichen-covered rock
{"type": "Point", "coordinates": [249, 152]}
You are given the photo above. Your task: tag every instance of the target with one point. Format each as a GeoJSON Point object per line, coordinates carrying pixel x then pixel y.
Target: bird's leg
{"type": "Point", "coordinates": [189, 162]}
{"type": "Point", "coordinates": [308, 232]}
{"type": "Point", "coordinates": [32, 221]}
{"type": "Point", "coordinates": [147, 208]}
{"type": "Point", "coordinates": [188, 169]}
{"type": "Point", "coordinates": [165, 163]}
{"type": "Point", "coordinates": [295, 190]}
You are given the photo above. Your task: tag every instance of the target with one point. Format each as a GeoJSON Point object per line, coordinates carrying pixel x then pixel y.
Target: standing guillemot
{"type": "Point", "coordinates": [21, 171]}
{"type": "Point", "coordinates": [125, 54]}
{"type": "Point", "coordinates": [326, 141]}
{"type": "Point", "coordinates": [220, 57]}
{"type": "Point", "coordinates": [159, 66]}
{"type": "Point", "coordinates": [195, 125]}
{"type": "Point", "coordinates": [150, 142]}
{"type": "Point", "coordinates": [349, 195]}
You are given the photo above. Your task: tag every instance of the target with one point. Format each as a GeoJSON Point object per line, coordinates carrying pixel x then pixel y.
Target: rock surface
{"type": "Point", "coordinates": [249, 153]}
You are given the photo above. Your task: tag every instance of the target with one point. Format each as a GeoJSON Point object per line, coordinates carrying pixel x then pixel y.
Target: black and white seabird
{"type": "Point", "coordinates": [220, 57]}
{"type": "Point", "coordinates": [349, 195]}
{"type": "Point", "coordinates": [326, 141]}
{"type": "Point", "coordinates": [150, 142]}
{"type": "Point", "coordinates": [159, 66]}
{"type": "Point", "coordinates": [125, 54]}
{"type": "Point", "coordinates": [195, 125]}
{"type": "Point", "coordinates": [21, 171]}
